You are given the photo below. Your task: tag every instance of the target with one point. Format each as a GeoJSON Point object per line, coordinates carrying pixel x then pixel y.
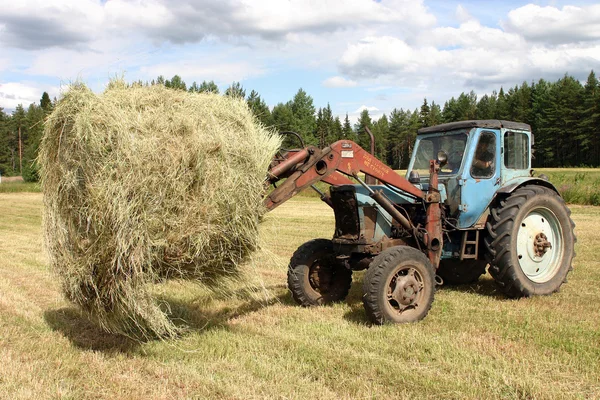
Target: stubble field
{"type": "Point", "coordinates": [256, 343]}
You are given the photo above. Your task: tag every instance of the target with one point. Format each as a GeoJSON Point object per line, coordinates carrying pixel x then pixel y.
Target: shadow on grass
{"type": "Point", "coordinates": [85, 334]}
{"type": "Point", "coordinates": [484, 286]}
{"type": "Point", "coordinates": [356, 314]}
{"type": "Point", "coordinates": [208, 313]}
{"type": "Point", "coordinates": [199, 315]}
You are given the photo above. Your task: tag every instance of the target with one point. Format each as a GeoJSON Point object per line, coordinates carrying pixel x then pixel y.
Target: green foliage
{"type": "Point", "coordinates": [304, 122]}
{"type": "Point", "coordinates": [176, 83]}
{"type": "Point", "coordinates": [259, 108]}
{"type": "Point", "coordinates": [363, 138]}
{"type": "Point", "coordinates": [235, 90]}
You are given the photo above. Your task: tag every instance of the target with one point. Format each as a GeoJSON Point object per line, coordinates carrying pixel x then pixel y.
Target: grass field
{"type": "Point", "coordinates": [255, 343]}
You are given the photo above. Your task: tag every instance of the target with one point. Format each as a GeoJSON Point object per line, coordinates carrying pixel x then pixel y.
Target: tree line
{"type": "Point", "coordinates": [564, 116]}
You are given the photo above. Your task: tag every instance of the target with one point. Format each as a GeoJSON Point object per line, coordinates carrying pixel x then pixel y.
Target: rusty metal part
{"type": "Point", "coordinates": [325, 198]}
{"type": "Point", "coordinates": [541, 244]}
{"type": "Point", "coordinates": [380, 198]}
{"type": "Point", "coordinates": [434, 239]}
{"type": "Point", "coordinates": [368, 178]}
{"type": "Point", "coordinates": [405, 289]}
{"type": "Point", "coordinates": [329, 165]}
{"type": "Point", "coordinates": [299, 157]}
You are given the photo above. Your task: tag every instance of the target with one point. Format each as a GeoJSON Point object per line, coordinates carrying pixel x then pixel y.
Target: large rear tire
{"type": "Point", "coordinates": [530, 242]}
{"type": "Point", "coordinates": [314, 277]}
{"type": "Point", "coordinates": [398, 286]}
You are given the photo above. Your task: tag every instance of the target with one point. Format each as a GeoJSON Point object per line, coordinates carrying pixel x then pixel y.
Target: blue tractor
{"type": "Point", "coordinates": [469, 200]}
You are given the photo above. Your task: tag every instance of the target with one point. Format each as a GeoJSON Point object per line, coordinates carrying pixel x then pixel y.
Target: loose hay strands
{"type": "Point", "coordinates": [147, 183]}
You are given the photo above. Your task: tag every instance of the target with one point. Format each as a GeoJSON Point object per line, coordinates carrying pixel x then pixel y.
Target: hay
{"type": "Point", "coordinates": [143, 184]}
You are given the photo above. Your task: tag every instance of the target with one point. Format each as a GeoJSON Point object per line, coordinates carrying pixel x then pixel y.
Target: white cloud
{"type": "Point", "coordinates": [15, 93]}
{"type": "Point", "coordinates": [470, 56]}
{"type": "Point", "coordinates": [555, 26]}
{"type": "Point", "coordinates": [374, 112]}
{"type": "Point", "coordinates": [193, 20]}
{"type": "Point", "coordinates": [339, 82]}
{"type": "Point", "coordinates": [384, 55]}
{"type": "Point", "coordinates": [462, 14]}
{"type": "Point", "coordinates": [38, 24]}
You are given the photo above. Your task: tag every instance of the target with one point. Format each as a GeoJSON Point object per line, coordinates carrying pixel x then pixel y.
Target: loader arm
{"type": "Point", "coordinates": [343, 159]}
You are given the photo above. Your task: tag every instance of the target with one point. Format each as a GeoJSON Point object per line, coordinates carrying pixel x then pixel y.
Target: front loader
{"type": "Point", "coordinates": [469, 198]}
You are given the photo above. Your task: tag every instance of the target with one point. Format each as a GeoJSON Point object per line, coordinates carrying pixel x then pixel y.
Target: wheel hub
{"type": "Point", "coordinates": [541, 244]}
{"type": "Point", "coordinates": [406, 290]}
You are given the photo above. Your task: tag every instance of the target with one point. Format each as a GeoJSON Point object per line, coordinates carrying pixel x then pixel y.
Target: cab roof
{"type": "Point", "coordinates": [481, 123]}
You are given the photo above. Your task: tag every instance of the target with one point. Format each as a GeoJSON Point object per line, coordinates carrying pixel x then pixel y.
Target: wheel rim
{"type": "Point", "coordinates": [540, 245]}
{"type": "Point", "coordinates": [320, 276]}
{"type": "Point", "coordinates": [404, 290]}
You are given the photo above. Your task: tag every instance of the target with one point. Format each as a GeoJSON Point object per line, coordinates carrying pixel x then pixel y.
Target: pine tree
{"type": "Point", "coordinates": [363, 138]}
{"type": "Point", "coordinates": [19, 135]}
{"type": "Point", "coordinates": [194, 88]}
{"type": "Point", "coordinates": [381, 132]}
{"type": "Point", "coordinates": [259, 108]}
{"type": "Point", "coordinates": [435, 115]}
{"type": "Point", "coordinates": [395, 144]}
{"type": "Point", "coordinates": [486, 108]}
{"type": "Point", "coordinates": [347, 131]}
{"type": "Point", "coordinates": [304, 122]}
{"type": "Point", "coordinates": [235, 90]}
{"type": "Point", "coordinates": [424, 114]}
{"type": "Point", "coordinates": [46, 103]}
{"type": "Point", "coordinates": [176, 83]}
{"type": "Point", "coordinates": [338, 130]}
{"type": "Point", "coordinates": [5, 150]}
{"type": "Point", "coordinates": [501, 106]}
{"type": "Point", "coordinates": [34, 121]}
{"type": "Point", "coordinates": [210, 87]}
{"type": "Point", "coordinates": [283, 120]}
{"type": "Point", "coordinates": [590, 121]}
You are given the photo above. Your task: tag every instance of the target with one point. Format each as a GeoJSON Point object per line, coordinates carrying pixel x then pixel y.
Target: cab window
{"type": "Point", "coordinates": [516, 150]}
{"type": "Point", "coordinates": [483, 165]}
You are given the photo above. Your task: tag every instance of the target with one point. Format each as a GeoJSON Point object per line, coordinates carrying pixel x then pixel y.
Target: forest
{"type": "Point", "coordinates": [564, 116]}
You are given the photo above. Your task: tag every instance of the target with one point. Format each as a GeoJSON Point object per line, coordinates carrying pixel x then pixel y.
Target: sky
{"type": "Point", "coordinates": [352, 54]}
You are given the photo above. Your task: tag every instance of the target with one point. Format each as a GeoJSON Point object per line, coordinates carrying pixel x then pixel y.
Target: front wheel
{"type": "Point", "coordinates": [314, 277]}
{"type": "Point", "coordinates": [531, 242]}
{"type": "Point", "coordinates": [398, 286]}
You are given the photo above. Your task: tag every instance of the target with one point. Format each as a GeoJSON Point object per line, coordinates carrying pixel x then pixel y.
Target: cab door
{"type": "Point", "coordinates": [479, 181]}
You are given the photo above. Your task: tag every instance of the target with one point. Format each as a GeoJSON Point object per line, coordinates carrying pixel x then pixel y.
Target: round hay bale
{"type": "Point", "coordinates": [142, 184]}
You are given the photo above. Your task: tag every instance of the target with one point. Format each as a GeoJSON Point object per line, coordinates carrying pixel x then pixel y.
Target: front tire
{"type": "Point", "coordinates": [314, 278]}
{"type": "Point", "coordinates": [530, 242]}
{"type": "Point", "coordinates": [398, 286]}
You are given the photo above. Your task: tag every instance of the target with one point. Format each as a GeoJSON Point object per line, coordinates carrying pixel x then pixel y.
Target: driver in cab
{"type": "Point", "coordinates": [483, 165]}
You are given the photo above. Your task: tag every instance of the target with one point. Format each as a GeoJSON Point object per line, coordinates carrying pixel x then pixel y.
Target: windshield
{"type": "Point", "coordinates": [427, 148]}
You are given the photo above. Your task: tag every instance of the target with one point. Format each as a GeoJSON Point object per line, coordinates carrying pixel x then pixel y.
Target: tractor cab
{"type": "Point", "coordinates": [482, 158]}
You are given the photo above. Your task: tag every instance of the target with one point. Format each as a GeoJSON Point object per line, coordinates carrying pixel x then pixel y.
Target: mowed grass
{"type": "Point", "coordinates": [256, 343]}
{"type": "Point", "coordinates": [19, 187]}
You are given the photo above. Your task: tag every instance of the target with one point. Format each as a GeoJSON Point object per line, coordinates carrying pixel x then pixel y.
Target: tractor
{"type": "Point", "coordinates": [469, 199]}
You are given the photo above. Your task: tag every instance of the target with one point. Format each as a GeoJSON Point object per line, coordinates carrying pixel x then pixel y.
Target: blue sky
{"type": "Point", "coordinates": [353, 54]}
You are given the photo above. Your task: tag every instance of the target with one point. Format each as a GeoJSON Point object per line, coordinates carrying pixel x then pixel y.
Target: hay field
{"type": "Point", "coordinates": [473, 344]}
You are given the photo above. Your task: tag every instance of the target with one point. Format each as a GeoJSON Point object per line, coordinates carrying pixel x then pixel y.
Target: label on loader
{"type": "Point", "coordinates": [347, 153]}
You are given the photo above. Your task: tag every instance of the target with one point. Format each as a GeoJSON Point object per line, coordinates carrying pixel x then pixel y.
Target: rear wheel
{"type": "Point", "coordinates": [314, 277]}
{"type": "Point", "coordinates": [531, 242]}
{"type": "Point", "coordinates": [398, 286]}
{"type": "Point", "coordinates": [457, 272]}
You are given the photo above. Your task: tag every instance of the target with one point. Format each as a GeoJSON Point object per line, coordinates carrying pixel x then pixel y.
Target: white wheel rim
{"type": "Point", "coordinates": [540, 226]}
